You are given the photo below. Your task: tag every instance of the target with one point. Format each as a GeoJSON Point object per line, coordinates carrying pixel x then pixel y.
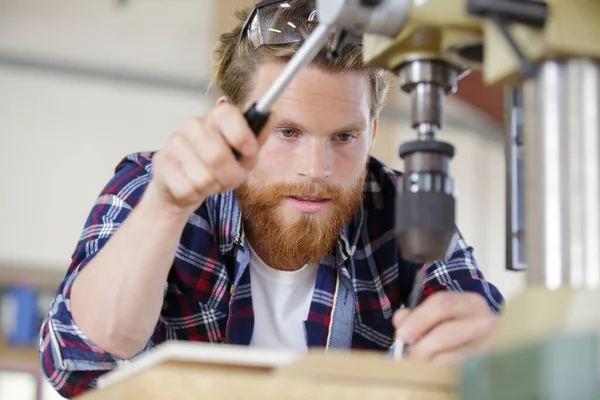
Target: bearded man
{"type": "Point", "coordinates": [291, 247]}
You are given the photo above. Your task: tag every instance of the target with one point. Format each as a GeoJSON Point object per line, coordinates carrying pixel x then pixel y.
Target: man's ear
{"type": "Point", "coordinates": [222, 99]}
{"type": "Point", "coordinates": [374, 129]}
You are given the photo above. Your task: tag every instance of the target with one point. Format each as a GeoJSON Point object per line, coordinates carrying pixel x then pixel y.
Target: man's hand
{"type": "Point", "coordinates": [197, 160]}
{"type": "Point", "coordinates": [447, 326]}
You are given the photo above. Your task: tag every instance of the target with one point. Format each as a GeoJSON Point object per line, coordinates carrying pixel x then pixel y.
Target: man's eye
{"type": "Point", "coordinates": [286, 133]}
{"type": "Point", "coordinates": [344, 137]}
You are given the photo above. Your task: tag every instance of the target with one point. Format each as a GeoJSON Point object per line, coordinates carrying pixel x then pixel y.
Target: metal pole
{"type": "Point", "coordinates": [515, 248]}
{"type": "Point", "coordinates": [562, 175]}
{"type": "Point", "coordinates": [304, 56]}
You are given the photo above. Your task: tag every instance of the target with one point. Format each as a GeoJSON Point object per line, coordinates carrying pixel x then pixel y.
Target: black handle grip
{"type": "Point", "coordinates": [256, 120]}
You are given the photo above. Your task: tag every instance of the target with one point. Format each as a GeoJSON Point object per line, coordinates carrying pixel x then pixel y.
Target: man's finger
{"type": "Point", "coordinates": [399, 317]}
{"type": "Point", "coordinates": [440, 307]}
{"type": "Point", "coordinates": [232, 125]}
{"type": "Point", "coordinates": [455, 335]}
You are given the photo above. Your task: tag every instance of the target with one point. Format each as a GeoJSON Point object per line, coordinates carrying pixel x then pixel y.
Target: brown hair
{"type": "Point", "coordinates": [236, 64]}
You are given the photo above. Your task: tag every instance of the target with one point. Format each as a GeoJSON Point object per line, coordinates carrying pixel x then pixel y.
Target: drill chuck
{"type": "Point", "coordinates": [425, 216]}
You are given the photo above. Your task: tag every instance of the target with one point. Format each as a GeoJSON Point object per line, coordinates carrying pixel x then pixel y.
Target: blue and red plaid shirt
{"type": "Point", "coordinates": [207, 295]}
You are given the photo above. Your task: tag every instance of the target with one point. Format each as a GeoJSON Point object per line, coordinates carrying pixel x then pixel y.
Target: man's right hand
{"type": "Point", "coordinates": [197, 161]}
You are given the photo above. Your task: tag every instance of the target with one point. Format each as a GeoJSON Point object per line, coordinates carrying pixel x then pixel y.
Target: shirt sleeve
{"type": "Point", "coordinates": [461, 273]}
{"type": "Point", "coordinates": [69, 360]}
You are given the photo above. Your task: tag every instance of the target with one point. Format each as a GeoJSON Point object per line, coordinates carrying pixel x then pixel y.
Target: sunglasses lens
{"type": "Point", "coordinates": [284, 22]}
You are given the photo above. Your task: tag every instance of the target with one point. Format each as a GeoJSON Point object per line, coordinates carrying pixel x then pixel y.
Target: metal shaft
{"type": "Point", "coordinates": [305, 54]}
{"type": "Point", "coordinates": [427, 109]}
{"type": "Point", "coordinates": [562, 175]}
{"type": "Point", "coordinates": [428, 82]}
{"type": "Point", "coordinates": [515, 230]}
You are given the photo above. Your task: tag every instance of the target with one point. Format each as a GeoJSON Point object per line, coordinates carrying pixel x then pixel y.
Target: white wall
{"type": "Point", "coordinates": [60, 140]}
{"type": "Point", "coordinates": [61, 135]}
{"type": "Point", "coordinates": [147, 36]}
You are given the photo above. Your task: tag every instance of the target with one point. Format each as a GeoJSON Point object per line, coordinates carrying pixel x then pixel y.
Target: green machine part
{"type": "Point", "coordinates": [560, 368]}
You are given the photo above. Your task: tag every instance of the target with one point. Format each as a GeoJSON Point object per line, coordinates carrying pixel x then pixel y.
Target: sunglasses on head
{"type": "Point", "coordinates": [278, 22]}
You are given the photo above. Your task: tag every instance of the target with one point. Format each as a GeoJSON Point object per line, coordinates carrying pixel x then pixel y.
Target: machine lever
{"type": "Point", "coordinates": [258, 114]}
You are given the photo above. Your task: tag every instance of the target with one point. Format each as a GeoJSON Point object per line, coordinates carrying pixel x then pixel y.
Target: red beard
{"type": "Point", "coordinates": [289, 246]}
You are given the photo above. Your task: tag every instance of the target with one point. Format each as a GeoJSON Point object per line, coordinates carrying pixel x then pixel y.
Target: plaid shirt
{"type": "Point", "coordinates": [207, 296]}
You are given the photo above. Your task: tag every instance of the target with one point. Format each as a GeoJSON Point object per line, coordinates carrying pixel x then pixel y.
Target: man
{"type": "Point", "coordinates": [291, 247]}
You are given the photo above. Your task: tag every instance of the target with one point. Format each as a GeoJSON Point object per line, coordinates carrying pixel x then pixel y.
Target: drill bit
{"type": "Point", "coordinates": [401, 348]}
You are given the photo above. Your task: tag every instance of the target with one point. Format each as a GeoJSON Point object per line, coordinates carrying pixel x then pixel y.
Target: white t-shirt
{"type": "Point", "coordinates": [281, 302]}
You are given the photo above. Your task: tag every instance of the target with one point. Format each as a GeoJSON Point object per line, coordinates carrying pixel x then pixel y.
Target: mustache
{"type": "Point", "coordinates": [271, 196]}
{"type": "Point", "coordinates": [303, 190]}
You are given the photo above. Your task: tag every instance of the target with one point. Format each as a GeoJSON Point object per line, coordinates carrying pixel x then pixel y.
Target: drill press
{"type": "Point", "coordinates": [547, 53]}
{"type": "Point", "coordinates": [549, 50]}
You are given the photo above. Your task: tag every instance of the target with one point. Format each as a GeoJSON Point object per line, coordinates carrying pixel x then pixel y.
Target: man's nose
{"type": "Point", "coordinates": [315, 160]}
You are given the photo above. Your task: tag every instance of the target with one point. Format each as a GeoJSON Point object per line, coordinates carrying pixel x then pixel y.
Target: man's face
{"type": "Point", "coordinates": [310, 172]}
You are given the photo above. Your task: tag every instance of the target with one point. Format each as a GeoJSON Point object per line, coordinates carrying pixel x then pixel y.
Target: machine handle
{"type": "Point", "coordinates": [256, 120]}
{"type": "Point", "coordinates": [258, 114]}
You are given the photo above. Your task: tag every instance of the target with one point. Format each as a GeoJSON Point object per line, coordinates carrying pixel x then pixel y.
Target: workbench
{"type": "Point", "coordinates": [189, 371]}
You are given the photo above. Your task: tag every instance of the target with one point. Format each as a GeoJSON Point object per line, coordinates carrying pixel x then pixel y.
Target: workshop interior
{"type": "Point", "coordinates": [493, 118]}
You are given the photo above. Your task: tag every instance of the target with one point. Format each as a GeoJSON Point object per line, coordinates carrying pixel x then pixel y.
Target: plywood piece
{"type": "Point", "coordinates": [371, 367]}
{"type": "Point", "coordinates": [186, 370]}
{"type": "Point", "coordinates": [206, 354]}
{"type": "Point", "coordinates": [189, 382]}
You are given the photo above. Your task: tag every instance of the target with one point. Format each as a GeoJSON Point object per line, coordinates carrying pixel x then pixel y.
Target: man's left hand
{"type": "Point", "coordinates": [447, 326]}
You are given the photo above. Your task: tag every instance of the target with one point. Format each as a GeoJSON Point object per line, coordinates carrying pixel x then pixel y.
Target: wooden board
{"type": "Point", "coordinates": [239, 357]}
{"type": "Point", "coordinates": [371, 367]}
{"type": "Point", "coordinates": [189, 382]}
{"type": "Point", "coordinates": [184, 370]}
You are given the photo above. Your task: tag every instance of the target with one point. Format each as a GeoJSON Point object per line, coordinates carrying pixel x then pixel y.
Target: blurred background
{"type": "Point", "coordinates": [82, 84]}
